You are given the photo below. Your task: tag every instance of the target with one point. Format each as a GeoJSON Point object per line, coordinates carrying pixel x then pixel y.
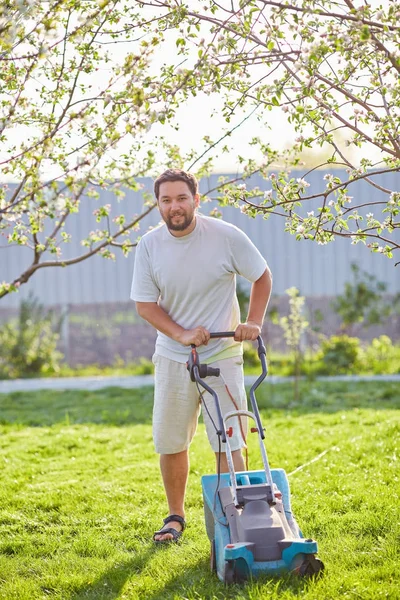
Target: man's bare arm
{"type": "Point", "coordinates": [259, 298]}
{"type": "Point", "coordinates": [160, 320]}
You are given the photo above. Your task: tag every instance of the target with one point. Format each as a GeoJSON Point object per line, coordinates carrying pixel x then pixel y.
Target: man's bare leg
{"type": "Point", "coordinates": [174, 471]}
{"type": "Point", "coordinates": [237, 458]}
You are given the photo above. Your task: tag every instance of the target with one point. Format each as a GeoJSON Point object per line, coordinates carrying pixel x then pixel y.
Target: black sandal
{"type": "Point", "coordinates": [174, 532]}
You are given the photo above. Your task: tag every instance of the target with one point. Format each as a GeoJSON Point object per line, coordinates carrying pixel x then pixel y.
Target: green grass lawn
{"type": "Point", "coordinates": [80, 495]}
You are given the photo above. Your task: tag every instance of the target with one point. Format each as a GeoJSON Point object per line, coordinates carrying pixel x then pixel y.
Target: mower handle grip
{"type": "Point", "coordinates": [220, 334]}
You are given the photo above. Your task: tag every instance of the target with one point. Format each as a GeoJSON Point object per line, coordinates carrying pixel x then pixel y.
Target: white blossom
{"type": "Point", "coordinates": [60, 204]}
{"type": "Point", "coordinates": [11, 217]}
{"type": "Point", "coordinates": [303, 182]}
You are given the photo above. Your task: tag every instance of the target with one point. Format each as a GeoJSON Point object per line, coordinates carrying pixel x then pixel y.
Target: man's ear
{"type": "Point", "coordinates": [197, 200]}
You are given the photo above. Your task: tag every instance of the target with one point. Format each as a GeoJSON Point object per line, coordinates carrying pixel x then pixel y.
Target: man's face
{"type": "Point", "coordinates": [177, 205]}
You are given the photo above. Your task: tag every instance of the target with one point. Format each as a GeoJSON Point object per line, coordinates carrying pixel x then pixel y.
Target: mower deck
{"type": "Point", "coordinates": [259, 536]}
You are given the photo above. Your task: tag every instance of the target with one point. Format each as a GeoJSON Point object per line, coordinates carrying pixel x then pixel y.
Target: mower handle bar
{"type": "Point", "coordinates": [204, 371]}
{"type": "Point", "coordinates": [220, 334]}
{"type": "Point", "coordinates": [246, 413]}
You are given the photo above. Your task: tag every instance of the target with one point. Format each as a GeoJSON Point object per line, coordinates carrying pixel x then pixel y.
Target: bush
{"type": "Point", "coordinates": [339, 354]}
{"type": "Point", "coordinates": [28, 344]}
{"type": "Point", "coordinates": [250, 355]}
{"type": "Point", "coordinates": [144, 367]}
{"type": "Point", "coordinates": [362, 303]}
{"type": "Point", "coordinates": [381, 356]}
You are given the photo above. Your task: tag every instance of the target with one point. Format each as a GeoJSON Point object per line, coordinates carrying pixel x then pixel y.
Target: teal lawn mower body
{"type": "Point", "coordinates": [248, 514]}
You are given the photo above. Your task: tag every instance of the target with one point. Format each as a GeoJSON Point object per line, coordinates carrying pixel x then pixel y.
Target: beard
{"type": "Point", "coordinates": [187, 220]}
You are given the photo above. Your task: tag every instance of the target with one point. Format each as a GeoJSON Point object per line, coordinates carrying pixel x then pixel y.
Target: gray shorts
{"type": "Point", "coordinates": [177, 404]}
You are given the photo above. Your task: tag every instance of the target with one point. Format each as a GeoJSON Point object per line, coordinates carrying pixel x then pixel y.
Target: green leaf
{"type": "Point", "coordinates": [365, 33]}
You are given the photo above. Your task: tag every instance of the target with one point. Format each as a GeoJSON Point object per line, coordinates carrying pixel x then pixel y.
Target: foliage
{"type": "Point", "coordinates": [381, 356]}
{"type": "Point", "coordinates": [74, 116]}
{"type": "Point", "coordinates": [340, 353]}
{"type": "Point", "coordinates": [68, 534]}
{"type": "Point", "coordinates": [294, 324]}
{"type": "Point", "coordinates": [250, 356]}
{"type": "Point", "coordinates": [362, 301]}
{"type": "Point", "coordinates": [328, 69]}
{"type": "Point", "coordinates": [293, 327]}
{"type": "Point", "coordinates": [28, 344]}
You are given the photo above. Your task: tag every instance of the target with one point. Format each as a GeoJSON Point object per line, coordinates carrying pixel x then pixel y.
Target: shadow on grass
{"type": "Point", "coordinates": [119, 406]}
{"type": "Point", "coordinates": [195, 582]}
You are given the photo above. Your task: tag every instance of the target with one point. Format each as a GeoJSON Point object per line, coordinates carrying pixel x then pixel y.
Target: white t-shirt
{"type": "Point", "coordinates": [193, 278]}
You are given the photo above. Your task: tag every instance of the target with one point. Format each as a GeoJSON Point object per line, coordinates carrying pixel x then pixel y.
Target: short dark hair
{"type": "Point", "coordinates": [176, 175]}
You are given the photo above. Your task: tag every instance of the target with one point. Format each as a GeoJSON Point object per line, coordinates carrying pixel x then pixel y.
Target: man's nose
{"type": "Point", "coordinates": [174, 204]}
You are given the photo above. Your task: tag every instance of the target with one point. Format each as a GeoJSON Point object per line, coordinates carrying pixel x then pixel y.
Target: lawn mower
{"type": "Point", "coordinates": [248, 515]}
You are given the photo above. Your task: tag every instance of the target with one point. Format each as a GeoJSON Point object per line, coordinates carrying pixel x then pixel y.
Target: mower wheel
{"type": "Point", "coordinates": [213, 557]}
{"type": "Point", "coordinates": [311, 567]}
{"type": "Point", "coordinates": [229, 572]}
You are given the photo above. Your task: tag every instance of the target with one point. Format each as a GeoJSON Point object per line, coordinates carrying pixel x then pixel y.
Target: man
{"type": "Point", "coordinates": [184, 284]}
